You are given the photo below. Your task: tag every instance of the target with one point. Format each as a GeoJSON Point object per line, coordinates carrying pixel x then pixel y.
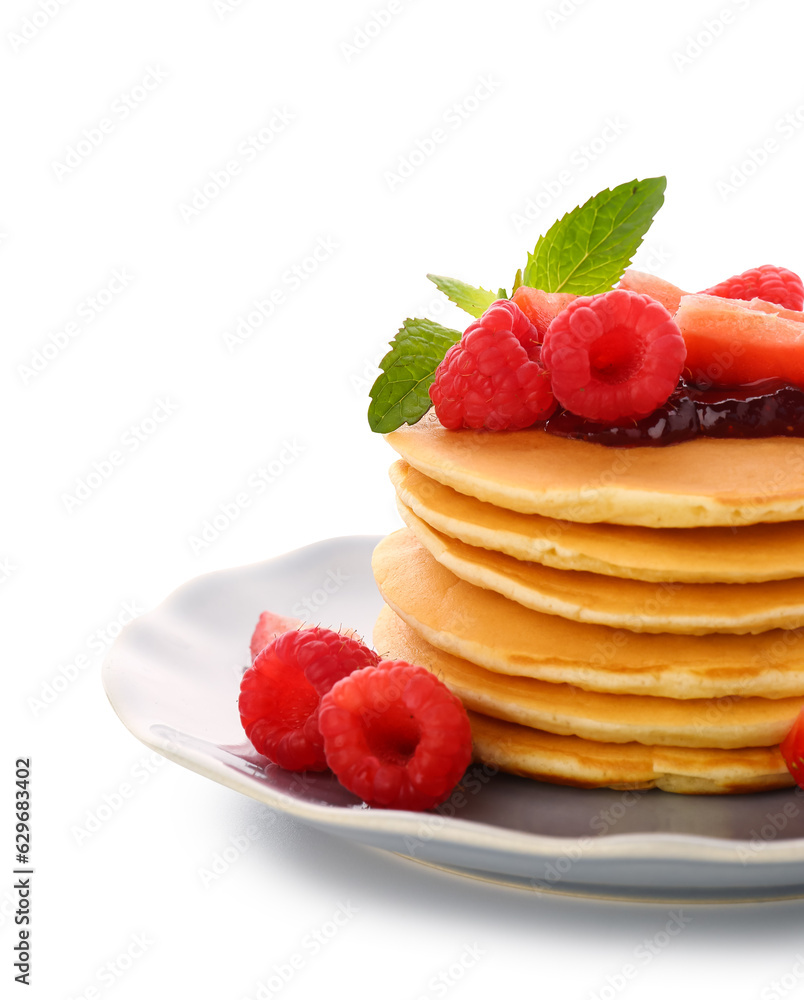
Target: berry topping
{"type": "Point", "coordinates": [771, 283]}
{"type": "Point", "coordinates": [280, 693]}
{"type": "Point", "coordinates": [396, 736]}
{"type": "Point", "coordinates": [582, 253]}
{"type": "Point", "coordinates": [613, 356]}
{"type": "Point", "coordinates": [541, 308]}
{"type": "Point", "coordinates": [492, 377]}
{"type": "Point", "coordinates": [766, 408]}
{"type": "Point", "coordinates": [792, 749]}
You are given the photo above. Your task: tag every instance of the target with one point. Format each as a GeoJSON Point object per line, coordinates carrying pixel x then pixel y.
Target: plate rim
{"type": "Point", "coordinates": [447, 830]}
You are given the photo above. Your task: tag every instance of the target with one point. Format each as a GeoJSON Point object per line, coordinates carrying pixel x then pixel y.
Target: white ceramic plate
{"type": "Point", "coordinates": [173, 677]}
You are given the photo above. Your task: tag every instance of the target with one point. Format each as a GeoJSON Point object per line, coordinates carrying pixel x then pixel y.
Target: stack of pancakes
{"type": "Point", "coordinates": [627, 618]}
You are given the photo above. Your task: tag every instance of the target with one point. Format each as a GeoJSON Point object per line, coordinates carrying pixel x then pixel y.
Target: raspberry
{"type": "Point", "coordinates": [281, 690]}
{"type": "Point", "coordinates": [613, 356]}
{"type": "Point", "coordinates": [771, 283]}
{"type": "Point", "coordinates": [396, 736]}
{"type": "Point", "coordinates": [496, 317]}
{"type": "Point", "coordinates": [493, 377]}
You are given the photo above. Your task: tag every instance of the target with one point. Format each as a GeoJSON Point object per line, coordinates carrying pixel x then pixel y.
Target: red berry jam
{"type": "Point", "coordinates": [767, 408]}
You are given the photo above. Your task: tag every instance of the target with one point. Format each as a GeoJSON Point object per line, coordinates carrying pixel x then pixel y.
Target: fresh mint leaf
{"type": "Point", "coordinates": [517, 281]}
{"type": "Point", "coordinates": [401, 393]}
{"type": "Point", "coordinates": [473, 300]}
{"type": "Point", "coordinates": [587, 250]}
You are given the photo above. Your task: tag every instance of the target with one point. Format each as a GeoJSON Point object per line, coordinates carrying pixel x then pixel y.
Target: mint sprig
{"type": "Point", "coordinates": [584, 253]}
{"type": "Point", "coordinates": [400, 394]}
{"type": "Point", "coordinates": [587, 250]}
{"type": "Point", "coordinates": [473, 300]}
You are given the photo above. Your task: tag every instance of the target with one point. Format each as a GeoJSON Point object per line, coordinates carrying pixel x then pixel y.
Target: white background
{"type": "Point", "coordinates": [614, 89]}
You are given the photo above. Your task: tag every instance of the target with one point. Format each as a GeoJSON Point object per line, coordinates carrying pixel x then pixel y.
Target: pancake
{"type": "Point", "coordinates": [724, 723]}
{"type": "Point", "coordinates": [699, 483]}
{"type": "Point", "coordinates": [569, 760]}
{"type": "Point", "coordinates": [688, 608]}
{"type": "Point", "coordinates": [503, 636]}
{"type": "Point", "coordinates": [751, 554]}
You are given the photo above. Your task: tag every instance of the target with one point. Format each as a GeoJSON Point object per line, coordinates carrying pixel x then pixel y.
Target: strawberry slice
{"type": "Point", "coordinates": [271, 624]}
{"type": "Point", "coordinates": [733, 342]}
{"type": "Point", "coordinates": [657, 288]}
{"type": "Point", "coordinates": [540, 307]}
